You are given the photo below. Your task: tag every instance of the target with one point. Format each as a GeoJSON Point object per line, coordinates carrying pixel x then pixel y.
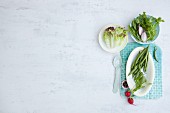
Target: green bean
{"type": "Point", "coordinates": [154, 53]}
{"type": "Point", "coordinates": [139, 67]}
{"type": "Point", "coordinates": [136, 77]}
{"type": "Point", "coordinates": [143, 51]}
{"type": "Point", "coordinates": [144, 54]}
{"type": "Point", "coordinates": [134, 62]}
{"type": "Point", "coordinates": [144, 58]}
{"type": "Point", "coordinates": [144, 67]}
{"type": "Point", "coordinates": [139, 77]}
{"type": "Point", "coordinates": [132, 71]}
{"type": "Point", "coordinates": [146, 63]}
{"type": "Point", "coordinates": [135, 72]}
{"type": "Point", "coordinates": [140, 56]}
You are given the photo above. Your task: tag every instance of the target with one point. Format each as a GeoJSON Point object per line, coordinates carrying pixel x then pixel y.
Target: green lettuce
{"type": "Point", "coordinates": [114, 36]}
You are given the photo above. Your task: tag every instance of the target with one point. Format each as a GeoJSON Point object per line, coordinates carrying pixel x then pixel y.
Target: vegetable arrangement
{"type": "Point", "coordinates": [114, 36]}
{"type": "Point", "coordinates": [144, 28]}
{"type": "Point", "coordinates": [138, 68]}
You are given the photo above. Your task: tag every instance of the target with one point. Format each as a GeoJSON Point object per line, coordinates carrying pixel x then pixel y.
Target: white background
{"type": "Point", "coordinates": [51, 62]}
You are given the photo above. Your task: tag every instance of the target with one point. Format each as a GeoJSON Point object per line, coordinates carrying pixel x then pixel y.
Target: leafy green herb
{"type": "Point", "coordinates": [148, 23]}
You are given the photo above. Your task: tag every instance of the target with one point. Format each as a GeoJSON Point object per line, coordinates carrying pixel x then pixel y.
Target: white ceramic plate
{"type": "Point", "coordinates": [150, 73]}
{"type": "Point", "coordinates": [103, 45]}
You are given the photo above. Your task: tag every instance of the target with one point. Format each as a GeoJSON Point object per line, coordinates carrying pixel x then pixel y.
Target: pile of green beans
{"type": "Point", "coordinates": [141, 62]}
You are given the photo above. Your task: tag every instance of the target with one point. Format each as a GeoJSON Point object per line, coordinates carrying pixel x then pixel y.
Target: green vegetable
{"type": "Point", "coordinates": [114, 36]}
{"type": "Point", "coordinates": [140, 62]}
{"type": "Point", "coordinates": [149, 25]}
{"type": "Point", "coordinates": [137, 60]}
{"type": "Point", "coordinates": [154, 53]}
{"type": "Point", "coordinates": [106, 37]}
{"type": "Point", "coordinates": [134, 33]}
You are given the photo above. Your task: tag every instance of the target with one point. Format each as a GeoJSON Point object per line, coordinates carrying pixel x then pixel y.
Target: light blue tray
{"type": "Point", "coordinates": [156, 90]}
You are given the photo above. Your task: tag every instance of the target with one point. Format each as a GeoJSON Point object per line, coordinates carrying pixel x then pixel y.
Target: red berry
{"type": "Point", "coordinates": [127, 93]}
{"type": "Point", "coordinates": [130, 100]}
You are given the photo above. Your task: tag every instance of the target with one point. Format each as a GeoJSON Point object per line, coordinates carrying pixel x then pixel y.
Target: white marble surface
{"type": "Point", "coordinates": [50, 61]}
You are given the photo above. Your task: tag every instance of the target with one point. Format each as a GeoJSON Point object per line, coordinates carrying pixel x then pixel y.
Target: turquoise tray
{"type": "Point", "coordinates": [156, 90]}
